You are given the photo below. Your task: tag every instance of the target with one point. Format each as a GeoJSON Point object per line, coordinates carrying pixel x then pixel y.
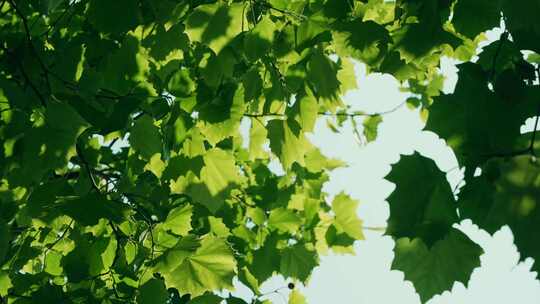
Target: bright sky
{"type": "Point", "coordinates": [366, 277]}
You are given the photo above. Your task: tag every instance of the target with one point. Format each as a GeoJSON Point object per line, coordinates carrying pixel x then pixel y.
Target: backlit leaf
{"type": "Point", "coordinates": [209, 268]}
{"type": "Point", "coordinates": [346, 219]}
{"type": "Point", "coordinates": [434, 270]}
{"type": "Point", "coordinates": [215, 24]}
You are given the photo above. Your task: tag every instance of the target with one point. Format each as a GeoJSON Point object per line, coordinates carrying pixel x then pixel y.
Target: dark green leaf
{"type": "Point", "coordinates": [298, 262]}
{"type": "Point", "coordinates": [434, 270]}
{"type": "Point", "coordinates": [426, 210]}
{"type": "Point", "coordinates": [471, 17]}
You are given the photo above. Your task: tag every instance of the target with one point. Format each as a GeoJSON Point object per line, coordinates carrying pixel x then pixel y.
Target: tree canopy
{"type": "Point", "coordinates": [189, 204]}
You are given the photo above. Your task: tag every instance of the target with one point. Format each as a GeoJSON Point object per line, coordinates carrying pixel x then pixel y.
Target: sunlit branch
{"type": "Point", "coordinates": [338, 114]}
{"type": "Point", "coordinates": [378, 229]}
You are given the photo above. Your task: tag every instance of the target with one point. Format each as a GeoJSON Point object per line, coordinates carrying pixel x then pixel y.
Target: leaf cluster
{"type": "Point", "coordinates": [188, 204]}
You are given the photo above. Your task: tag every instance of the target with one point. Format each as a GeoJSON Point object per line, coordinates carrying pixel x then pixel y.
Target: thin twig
{"type": "Point", "coordinates": [30, 43]}
{"type": "Point", "coordinates": [362, 114]}
{"type": "Point", "coordinates": [87, 167]}
{"type": "Point", "coordinates": [26, 77]}
{"type": "Point", "coordinates": [55, 22]}
{"type": "Point", "coordinates": [378, 229]}
{"type": "Point", "coordinates": [60, 237]}
{"type": "Point", "coordinates": [354, 114]}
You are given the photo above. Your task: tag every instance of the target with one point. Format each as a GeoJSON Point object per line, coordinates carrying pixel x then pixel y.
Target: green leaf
{"type": "Point", "coordinates": [153, 291]}
{"type": "Point", "coordinates": [218, 176]}
{"type": "Point", "coordinates": [521, 22]}
{"type": "Point", "coordinates": [434, 270]}
{"type": "Point", "coordinates": [380, 11]}
{"type": "Point", "coordinates": [50, 143]}
{"type": "Point", "coordinates": [308, 110]}
{"type": "Point", "coordinates": [266, 260]}
{"type": "Point", "coordinates": [167, 42]}
{"type": "Point", "coordinates": [179, 220]}
{"type": "Point", "coordinates": [72, 62]}
{"type": "Point", "coordinates": [339, 242]}
{"type": "Point", "coordinates": [89, 209]}
{"type": "Point", "coordinates": [322, 74]}
{"type": "Point", "coordinates": [234, 300]}
{"type": "Point", "coordinates": [533, 58]}
{"type": "Point", "coordinates": [130, 251]}
{"type": "Point", "coordinates": [462, 118]}
{"type": "Point", "coordinates": [215, 25]}
{"type": "Point", "coordinates": [257, 138]}
{"type": "Point", "coordinates": [222, 116]}
{"type": "Point", "coordinates": [145, 137]}
{"type": "Point", "coordinates": [316, 161]}
{"type": "Point", "coordinates": [219, 68]}
{"type": "Point", "coordinates": [206, 299]}
{"type": "Point", "coordinates": [180, 84]}
{"type": "Point", "coordinates": [307, 31]}
{"type": "Point", "coordinates": [258, 41]}
{"type": "Point", "coordinates": [253, 84]}
{"type": "Point", "coordinates": [284, 220]}
{"type": "Point", "coordinates": [346, 75]}
{"type": "Point", "coordinates": [346, 220]}
{"type": "Point", "coordinates": [287, 141]}
{"type": "Point", "coordinates": [415, 40]}
{"type": "Point", "coordinates": [53, 263]}
{"type": "Point", "coordinates": [5, 283]}
{"type": "Point", "coordinates": [247, 278]}
{"type": "Point", "coordinates": [210, 268]}
{"type": "Point", "coordinates": [295, 297]}
{"type": "Point", "coordinates": [134, 64]}
{"type": "Point", "coordinates": [50, 5]}
{"type": "Point", "coordinates": [102, 255]}
{"type": "Point", "coordinates": [298, 262]}
{"type": "Point", "coordinates": [218, 228]}
{"type": "Point", "coordinates": [506, 194]}
{"type": "Point", "coordinates": [365, 41]}
{"type": "Point", "coordinates": [426, 210]}
{"type": "Point", "coordinates": [166, 214]}
{"type": "Point", "coordinates": [338, 9]}
{"type": "Point", "coordinates": [114, 16]}
{"type": "Point", "coordinates": [155, 165]}
{"type": "Point", "coordinates": [4, 240]}
{"type": "Point", "coordinates": [471, 17]}
{"type": "Point", "coordinates": [91, 257]}
{"type": "Point", "coordinates": [371, 126]}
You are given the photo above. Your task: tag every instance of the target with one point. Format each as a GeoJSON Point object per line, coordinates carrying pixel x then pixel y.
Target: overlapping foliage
{"type": "Point", "coordinates": [188, 205]}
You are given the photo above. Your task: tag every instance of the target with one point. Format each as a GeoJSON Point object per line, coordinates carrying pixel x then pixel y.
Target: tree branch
{"type": "Point", "coordinates": [60, 237]}
{"type": "Point", "coordinates": [527, 151]}
{"type": "Point", "coordinates": [25, 76]}
{"type": "Point", "coordinates": [30, 43]}
{"type": "Point", "coordinates": [87, 167]}
{"type": "Point", "coordinates": [338, 114]}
